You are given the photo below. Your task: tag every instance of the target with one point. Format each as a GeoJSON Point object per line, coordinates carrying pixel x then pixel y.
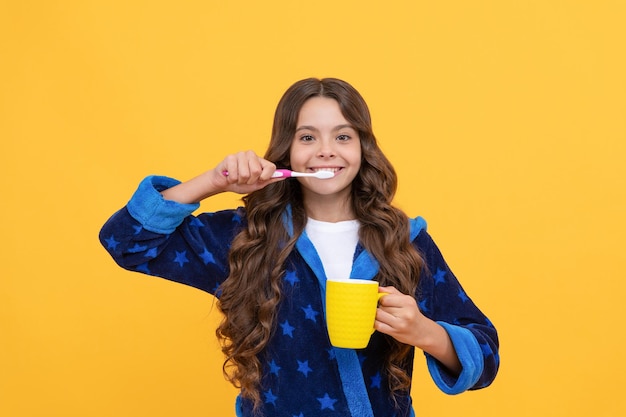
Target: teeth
{"type": "Point", "coordinates": [326, 169]}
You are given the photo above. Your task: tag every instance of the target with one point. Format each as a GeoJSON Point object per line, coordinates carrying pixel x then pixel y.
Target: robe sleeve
{"type": "Point", "coordinates": [442, 298]}
{"type": "Point", "coordinates": [162, 238]}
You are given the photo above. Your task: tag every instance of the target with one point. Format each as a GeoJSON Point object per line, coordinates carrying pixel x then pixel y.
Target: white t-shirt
{"type": "Point", "coordinates": [335, 244]}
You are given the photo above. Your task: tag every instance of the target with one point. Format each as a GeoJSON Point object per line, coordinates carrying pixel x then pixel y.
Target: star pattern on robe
{"type": "Point", "coordinates": [111, 242]}
{"type": "Point", "coordinates": [137, 248]}
{"type": "Point", "coordinates": [310, 313]}
{"type": "Point", "coordinates": [304, 368]}
{"type": "Point", "coordinates": [150, 253]}
{"type": "Point", "coordinates": [138, 229]}
{"type": "Point", "coordinates": [291, 278]}
{"type": "Point", "coordinates": [274, 368]}
{"type": "Point", "coordinates": [440, 276]}
{"type": "Point", "coordinates": [299, 415]}
{"type": "Point", "coordinates": [270, 398]}
{"type": "Point", "coordinates": [143, 268]}
{"type": "Point", "coordinates": [331, 354]}
{"type": "Point", "coordinates": [423, 305]}
{"type": "Point", "coordinates": [207, 257]}
{"type": "Point", "coordinates": [181, 258]}
{"type": "Point", "coordinates": [463, 296]}
{"type": "Point", "coordinates": [326, 402]}
{"type": "Point", "coordinates": [287, 328]}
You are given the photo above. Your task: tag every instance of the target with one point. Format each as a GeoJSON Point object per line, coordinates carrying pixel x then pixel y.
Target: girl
{"type": "Point", "coordinates": [267, 264]}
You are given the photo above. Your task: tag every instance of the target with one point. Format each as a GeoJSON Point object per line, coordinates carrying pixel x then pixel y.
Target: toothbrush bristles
{"type": "Point", "coordinates": [324, 174]}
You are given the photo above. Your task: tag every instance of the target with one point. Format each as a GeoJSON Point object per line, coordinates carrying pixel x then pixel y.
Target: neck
{"type": "Point", "coordinates": [329, 210]}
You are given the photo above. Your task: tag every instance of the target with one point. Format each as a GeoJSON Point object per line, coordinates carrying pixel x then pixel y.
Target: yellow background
{"type": "Point", "coordinates": [504, 119]}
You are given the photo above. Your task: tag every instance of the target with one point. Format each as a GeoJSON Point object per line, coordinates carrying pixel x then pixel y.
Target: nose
{"type": "Point", "coordinates": [326, 148]}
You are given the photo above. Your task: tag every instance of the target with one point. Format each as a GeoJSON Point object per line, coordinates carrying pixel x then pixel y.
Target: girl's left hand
{"type": "Point", "coordinates": [399, 316]}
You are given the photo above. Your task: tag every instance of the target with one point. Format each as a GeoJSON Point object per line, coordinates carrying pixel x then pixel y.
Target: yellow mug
{"type": "Point", "coordinates": [350, 311]}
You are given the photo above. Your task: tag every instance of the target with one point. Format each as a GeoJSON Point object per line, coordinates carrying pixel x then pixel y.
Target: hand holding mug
{"type": "Point", "coordinates": [399, 316]}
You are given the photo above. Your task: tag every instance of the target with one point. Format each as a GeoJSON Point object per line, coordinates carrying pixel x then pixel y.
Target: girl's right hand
{"type": "Point", "coordinates": [241, 173]}
{"type": "Point", "coordinates": [244, 172]}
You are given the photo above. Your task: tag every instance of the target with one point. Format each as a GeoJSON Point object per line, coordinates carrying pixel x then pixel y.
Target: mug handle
{"type": "Point", "coordinates": [380, 295]}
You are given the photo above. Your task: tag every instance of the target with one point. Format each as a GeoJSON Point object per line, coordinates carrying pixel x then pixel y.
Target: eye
{"type": "Point", "coordinates": [307, 138]}
{"type": "Point", "coordinates": [343, 138]}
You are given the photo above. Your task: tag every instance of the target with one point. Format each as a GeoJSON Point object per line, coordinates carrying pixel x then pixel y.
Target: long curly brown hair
{"type": "Point", "coordinates": [251, 294]}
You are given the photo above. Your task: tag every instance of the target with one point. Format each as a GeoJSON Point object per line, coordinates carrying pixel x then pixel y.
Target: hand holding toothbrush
{"type": "Point", "coordinates": [241, 173]}
{"type": "Point", "coordinates": [251, 169]}
{"type": "Point", "coordinates": [246, 172]}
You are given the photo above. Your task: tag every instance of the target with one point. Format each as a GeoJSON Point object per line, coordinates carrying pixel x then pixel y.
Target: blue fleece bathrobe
{"type": "Point", "coordinates": [303, 375]}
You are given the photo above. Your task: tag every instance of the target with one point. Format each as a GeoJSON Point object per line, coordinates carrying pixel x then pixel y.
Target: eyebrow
{"type": "Point", "coordinates": [336, 128]}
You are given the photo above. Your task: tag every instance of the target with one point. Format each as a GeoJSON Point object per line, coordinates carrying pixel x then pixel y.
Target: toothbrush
{"type": "Point", "coordinates": [322, 175]}
{"type": "Point", "coordinates": [286, 173]}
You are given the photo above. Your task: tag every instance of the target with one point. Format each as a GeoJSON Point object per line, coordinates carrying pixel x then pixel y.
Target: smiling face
{"type": "Point", "coordinates": [325, 140]}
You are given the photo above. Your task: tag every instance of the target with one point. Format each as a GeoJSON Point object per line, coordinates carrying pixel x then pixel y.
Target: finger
{"type": "Point", "coordinates": [385, 316]}
{"type": "Point", "coordinates": [383, 327]}
{"type": "Point", "coordinates": [392, 300]}
{"type": "Point", "coordinates": [268, 169]}
{"type": "Point", "coordinates": [242, 167]}
{"type": "Point", "coordinates": [229, 168]}
{"type": "Point", "coordinates": [387, 323]}
{"type": "Point", "coordinates": [260, 169]}
{"type": "Point", "coordinates": [255, 170]}
{"type": "Point", "coordinates": [389, 290]}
